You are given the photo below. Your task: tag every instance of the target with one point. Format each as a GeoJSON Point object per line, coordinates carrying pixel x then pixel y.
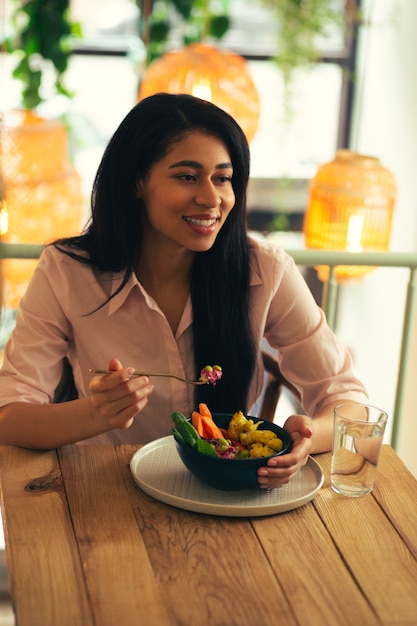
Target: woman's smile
{"type": "Point", "coordinates": [202, 224]}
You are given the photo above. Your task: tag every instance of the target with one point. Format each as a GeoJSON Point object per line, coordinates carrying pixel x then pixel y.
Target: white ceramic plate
{"type": "Point", "coordinates": [159, 471]}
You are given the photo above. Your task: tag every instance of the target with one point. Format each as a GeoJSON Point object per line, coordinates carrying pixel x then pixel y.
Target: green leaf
{"type": "Point", "coordinates": [184, 7]}
{"type": "Point", "coordinates": [219, 25]}
{"type": "Point", "coordinates": [42, 30]}
{"type": "Point", "coordinates": [159, 29]}
{"type": "Point", "coordinates": [205, 447]}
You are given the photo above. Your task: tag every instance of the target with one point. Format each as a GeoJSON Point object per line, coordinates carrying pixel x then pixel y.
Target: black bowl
{"type": "Point", "coordinates": [230, 474]}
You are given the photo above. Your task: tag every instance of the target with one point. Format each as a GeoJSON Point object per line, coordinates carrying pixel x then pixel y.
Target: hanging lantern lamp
{"type": "Point", "coordinates": [42, 189]}
{"type": "Point", "coordinates": [350, 207]}
{"type": "Point", "coordinates": [207, 72]}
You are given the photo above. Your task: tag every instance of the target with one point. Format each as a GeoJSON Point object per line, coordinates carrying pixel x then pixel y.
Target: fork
{"type": "Point", "coordinates": [184, 380]}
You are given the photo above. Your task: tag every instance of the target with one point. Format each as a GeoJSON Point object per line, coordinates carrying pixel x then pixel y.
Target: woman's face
{"type": "Point", "coordinates": [188, 194]}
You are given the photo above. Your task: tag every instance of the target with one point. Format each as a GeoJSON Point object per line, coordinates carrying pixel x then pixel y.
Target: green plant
{"type": "Point", "coordinates": [41, 39]}
{"type": "Point", "coordinates": [280, 222]}
{"type": "Point", "coordinates": [196, 20]}
{"type": "Point", "coordinates": [303, 24]}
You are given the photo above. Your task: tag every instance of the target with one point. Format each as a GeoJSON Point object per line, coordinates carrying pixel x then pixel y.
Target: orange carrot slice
{"type": "Point", "coordinates": [203, 422]}
{"type": "Point", "coordinates": [197, 423]}
{"type": "Point", "coordinates": [210, 429]}
{"type": "Point", "coordinates": [204, 410]}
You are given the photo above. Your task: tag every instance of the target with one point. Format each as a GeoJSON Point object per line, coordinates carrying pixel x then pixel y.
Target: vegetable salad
{"type": "Point", "coordinates": [241, 440]}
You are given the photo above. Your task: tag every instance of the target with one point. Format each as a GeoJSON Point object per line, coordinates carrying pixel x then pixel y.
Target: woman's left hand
{"type": "Point", "coordinates": [281, 469]}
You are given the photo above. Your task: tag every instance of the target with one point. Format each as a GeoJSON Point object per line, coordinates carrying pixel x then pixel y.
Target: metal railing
{"type": "Point", "coordinates": [313, 258]}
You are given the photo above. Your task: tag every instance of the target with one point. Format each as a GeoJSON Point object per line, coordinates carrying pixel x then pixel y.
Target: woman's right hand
{"type": "Point", "coordinates": [119, 396]}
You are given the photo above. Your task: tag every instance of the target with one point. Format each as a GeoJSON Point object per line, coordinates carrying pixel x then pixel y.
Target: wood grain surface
{"type": "Point", "coordinates": [86, 546]}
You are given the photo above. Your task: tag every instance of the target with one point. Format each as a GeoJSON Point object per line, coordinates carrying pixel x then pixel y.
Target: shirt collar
{"type": "Point", "coordinates": [133, 283]}
{"type": "Point", "coordinates": [120, 298]}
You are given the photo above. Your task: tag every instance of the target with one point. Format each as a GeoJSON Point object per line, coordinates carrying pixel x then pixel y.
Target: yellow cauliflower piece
{"type": "Point", "coordinates": [276, 444]}
{"type": "Point", "coordinates": [250, 426]}
{"type": "Point", "coordinates": [258, 450]}
{"type": "Point", "coordinates": [258, 436]}
{"type": "Point", "coordinates": [259, 442]}
{"type": "Point", "coordinates": [238, 424]}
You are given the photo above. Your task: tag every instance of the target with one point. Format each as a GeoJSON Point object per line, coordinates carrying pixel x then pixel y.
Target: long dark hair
{"type": "Point", "coordinates": [220, 276]}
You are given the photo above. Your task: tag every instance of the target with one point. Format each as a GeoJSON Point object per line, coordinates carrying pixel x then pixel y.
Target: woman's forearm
{"type": "Point", "coordinates": [323, 432]}
{"type": "Point", "coordinates": [47, 426]}
{"type": "Point", "coordinates": [322, 440]}
{"type": "Point", "coordinates": [113, 402]}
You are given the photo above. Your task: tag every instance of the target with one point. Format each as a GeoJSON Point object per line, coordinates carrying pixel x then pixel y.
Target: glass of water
{"type": "Point", "coordinates": [357, 438]}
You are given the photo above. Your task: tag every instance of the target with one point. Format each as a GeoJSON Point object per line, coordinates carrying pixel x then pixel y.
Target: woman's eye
{"type": "Point", "coordinates": [219, 180]}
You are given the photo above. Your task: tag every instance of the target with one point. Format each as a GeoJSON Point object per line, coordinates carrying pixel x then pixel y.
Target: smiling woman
{"type": "Point", "coordinates": [168, 279]}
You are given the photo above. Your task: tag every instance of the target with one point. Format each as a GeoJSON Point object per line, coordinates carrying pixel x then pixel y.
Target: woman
{"type": "Point", "coordinates": [165, 278]}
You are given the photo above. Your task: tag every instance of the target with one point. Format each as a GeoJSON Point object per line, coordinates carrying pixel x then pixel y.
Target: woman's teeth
{"type": "Point", "coordinates": [200, 222]}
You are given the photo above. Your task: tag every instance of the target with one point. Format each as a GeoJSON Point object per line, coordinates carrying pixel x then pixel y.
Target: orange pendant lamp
{"type": "Point", "coordinates": [207, 72]}
{"type": "Point", "coordinates": [43, 196]}
{"type": "Point", "coordinates": [350, 207]}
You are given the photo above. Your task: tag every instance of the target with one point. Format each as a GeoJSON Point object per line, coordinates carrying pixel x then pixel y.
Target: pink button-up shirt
{"type": "Point", "coordinates": [55, 319]}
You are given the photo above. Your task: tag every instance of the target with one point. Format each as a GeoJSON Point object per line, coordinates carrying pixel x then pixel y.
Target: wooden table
{"type": "Point", "coordinates": [86, 546]}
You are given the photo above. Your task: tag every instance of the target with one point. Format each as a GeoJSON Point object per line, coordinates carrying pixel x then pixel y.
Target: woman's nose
{"type": "Point", "coordinates": [207, 195]}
